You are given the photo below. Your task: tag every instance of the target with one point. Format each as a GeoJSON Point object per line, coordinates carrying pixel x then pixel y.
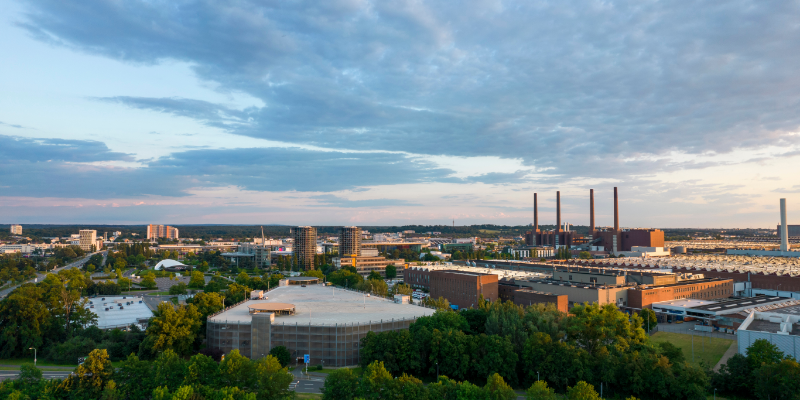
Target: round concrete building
{"type": "Point", "coordinates": [325, 322]}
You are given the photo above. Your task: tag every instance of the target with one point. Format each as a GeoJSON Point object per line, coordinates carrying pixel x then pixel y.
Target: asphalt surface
{"type": "Point", "coordinates": [311, 383]}
{"type": "Point", "coordinates": [12, 374]}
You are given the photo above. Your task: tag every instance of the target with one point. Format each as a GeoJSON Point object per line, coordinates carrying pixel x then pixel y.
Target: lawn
{"type": "Point", "coordinates": [304, 396]}
{"type": "Point", "coordinates": [706, 349]}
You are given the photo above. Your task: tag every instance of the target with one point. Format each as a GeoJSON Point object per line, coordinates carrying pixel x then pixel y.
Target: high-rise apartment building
{"type": "Point", "coordinates": [161, 231]}
{"type": "Point", "coordinates": [87, 239]}
{"type": "Point", "coordinates": [350, 241]}
{"type": "Point", "coordinates": [305, 247]}
{"type": "Point", "coordinates": [16, 230]}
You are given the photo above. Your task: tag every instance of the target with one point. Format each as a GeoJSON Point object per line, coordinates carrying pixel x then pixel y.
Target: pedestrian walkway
{"type": "Point", "coordinates": [728, 354]}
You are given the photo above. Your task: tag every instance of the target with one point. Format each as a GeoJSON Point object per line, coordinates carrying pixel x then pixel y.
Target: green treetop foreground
{"type": "Point", "coordinates": [168, 377]}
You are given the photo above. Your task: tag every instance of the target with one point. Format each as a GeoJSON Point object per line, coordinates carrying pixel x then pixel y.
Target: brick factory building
{"type": "Point", "coordinates": [612, 240]}
{"type": "Point", "coordinates": [703, 289]}
{"type": "Point", "coordinates": [463, 288]}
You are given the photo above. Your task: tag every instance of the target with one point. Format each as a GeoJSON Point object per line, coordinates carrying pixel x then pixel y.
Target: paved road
{"type": "Point", "coordinates": [11, 374]}
{"type": "Point", "coordinates": [307, 384]}
{"type": "Point", "coordinates": [41, 275]}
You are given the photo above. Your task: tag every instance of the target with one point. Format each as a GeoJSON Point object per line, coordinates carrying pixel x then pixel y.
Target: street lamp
{"type": "Point", "coordinates": [437, 370]}
{"type": "Point", "coordinates": [34, 355]}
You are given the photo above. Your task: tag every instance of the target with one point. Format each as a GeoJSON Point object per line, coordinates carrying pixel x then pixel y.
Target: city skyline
{"type": "Point", "coordinates": [361, 113]}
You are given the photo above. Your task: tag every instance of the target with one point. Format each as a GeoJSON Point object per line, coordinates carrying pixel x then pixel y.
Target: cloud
{"type": "Point", "coordinates": [60, 168]}
{"type": "Point", "coordinates": [12, 125]}
{"type": "Point", "coordinates": [46, 150]}
{"type": "Point", "coordinates": [331, 200]}
{"type": "Point", "coordinates": [572, 88]}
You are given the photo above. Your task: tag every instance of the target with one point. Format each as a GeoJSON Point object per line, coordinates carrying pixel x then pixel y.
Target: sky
{"type": "Point", "coordinates": [399, 112]}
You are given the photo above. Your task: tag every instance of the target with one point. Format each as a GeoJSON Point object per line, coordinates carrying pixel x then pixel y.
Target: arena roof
{"type": "Point", "coordinates": [168, 263]}
{"type": "Point", "coordinates": [325, 305]}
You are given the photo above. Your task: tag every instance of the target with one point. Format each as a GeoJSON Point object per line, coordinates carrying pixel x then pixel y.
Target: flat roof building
{"type": "Point", "coordinates": [16, 230]}
{"type": "Point", "coordinates": [366, 264]}
{"type": "Point", "coordinates": [119, 311]}
{"type": "Point", "coordinates": [325, 322]}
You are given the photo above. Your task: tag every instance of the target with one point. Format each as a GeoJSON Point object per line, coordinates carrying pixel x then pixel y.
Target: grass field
{"type": "Point", "coordinates": [706, 349]}
{"type": "Point", "coordinates": [305, 396]}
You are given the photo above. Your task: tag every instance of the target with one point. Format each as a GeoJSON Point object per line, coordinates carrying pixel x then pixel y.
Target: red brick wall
{"type": "Point", "coordinates": [463, 289]}
{"type": "Point", "coordinates": [638, 298]}
{"type": "Point", "coordinates": [527, 297]}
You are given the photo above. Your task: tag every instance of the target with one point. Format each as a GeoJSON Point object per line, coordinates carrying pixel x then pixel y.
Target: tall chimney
{"type": "Point", "coordinates": [535, 215]}
{"type": "Point", "coordinates": [784, 230]}
{"type": "Point", "coordinates": [616, 211]}
{"type": "Point", "coordinates": [591, 213]}
{"type": "Point", "coordinates": [558, 211]}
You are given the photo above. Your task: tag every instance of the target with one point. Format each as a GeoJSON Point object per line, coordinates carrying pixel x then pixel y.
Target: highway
{"type": "Point", "coordinates": [41, 275]}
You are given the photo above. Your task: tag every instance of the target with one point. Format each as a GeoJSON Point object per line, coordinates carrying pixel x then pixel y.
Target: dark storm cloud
{"type": "Point", "coordinates": [578, 87]}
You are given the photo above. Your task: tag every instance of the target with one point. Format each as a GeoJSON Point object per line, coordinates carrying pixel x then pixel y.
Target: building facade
{"type": "Point", "coordinates": [366, 264]}
{"type": "Point", "coordinates": [350, 241]}
{"type": "Point", "coordinates": [305, 247]}
{"type": "Point", "coordinates": [703, 289]}
{"type": "Point", "coordinates": [16, 230]}
{"type": "Point", "coordinates": [462, 288]}
{"type": "Point", "coordinates": [162, 231]}
{"type": "Point", "coordinates": [87, 239]}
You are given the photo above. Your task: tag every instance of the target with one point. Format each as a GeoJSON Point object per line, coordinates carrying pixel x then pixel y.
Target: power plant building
{"type": "Point", "coordinates": [305, 247]}
{"type": "Point", "coordinates": [612, 240]}
{"type": "Point", "coordinates": [326, 323]}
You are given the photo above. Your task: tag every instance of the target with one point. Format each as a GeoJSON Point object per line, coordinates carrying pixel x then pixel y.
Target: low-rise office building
{"type": "Point", "coordinates": [528, 297]}
{"type": "Point", "coordinates": [364, 264]}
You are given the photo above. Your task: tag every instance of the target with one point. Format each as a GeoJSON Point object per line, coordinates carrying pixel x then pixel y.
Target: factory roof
{"type": "Point", "coordinates": [325, 305]}
{"type": "Point", "coordinates": [684, 303]}
{"type": "Point", "coordinates": [118, 311]}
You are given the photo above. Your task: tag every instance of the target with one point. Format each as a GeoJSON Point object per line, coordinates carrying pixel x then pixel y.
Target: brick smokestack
{"type": "Point", "coordinates": [535, 215]}
{"type": "Point", "coordinates": [616, 211]}
{"type": "Point", "coordinates": [558, 211]}
{"type": "Point", "coordinates": [591, 212]}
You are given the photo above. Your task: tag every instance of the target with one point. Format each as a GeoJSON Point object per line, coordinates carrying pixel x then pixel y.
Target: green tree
{"type": "Point", "coordinates": [373, 275]}
{"type": "Point", "coordinates": [762, 352]}
{"type": "Point", "coordinates": [124, 283]}
{"type": "Point", "coordinates": [272, 379]}
{"type": "Point", "coordinates": [582, 391]}
{"type": "Point", "coordinates": [649, 320]}
{"type": "Point", "coordinates": [374, 381]}
{"type": "Point", "coordinates": [340, 384]}
{"type": "Point", "coordinates": [540, 391]}
{"type": "Point", "coordinates": [25, 318]}
{"type": "Point", "coordinates": [197, 280]}
{"type": "Point", "coordinates": [314, 273]}
{"type": "Point", "coordinates": [178, 289]}
{"type": "Point", "coordinates": [281, 353]}
{"type": "Point", "coordinates": [201, 370]}
{"type": "Point", "coordinates": [148, 281]}
{"type": "Point", "coordinates": [498, 389]}
{"type": "Point", "coordinates": [243, 279]}
{"type": "Point", "coordinates": [779, 380]}
{"type": "Point", "coordinates": [585, 255]}
{"type": "Point", "coordinates": [174, 329]}
{"type": "Point", "coordinates": [93, 375]}
{"type": "Point", "coordinates": [207, 303]}
{"type": "Point", "coordinates": [236, 370]}
{"type": "Point", "coordinates": [391, 272]}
